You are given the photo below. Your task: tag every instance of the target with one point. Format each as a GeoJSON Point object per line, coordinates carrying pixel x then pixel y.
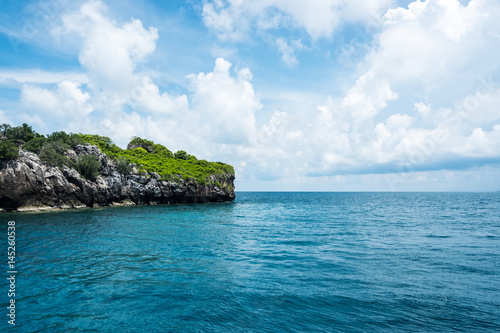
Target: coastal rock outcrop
{"type": "Point", "coordinates": [28, 184]}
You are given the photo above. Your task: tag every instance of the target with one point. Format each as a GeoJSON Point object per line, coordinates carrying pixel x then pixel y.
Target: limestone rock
{"type": "Point", "coordinates": [27, 184]}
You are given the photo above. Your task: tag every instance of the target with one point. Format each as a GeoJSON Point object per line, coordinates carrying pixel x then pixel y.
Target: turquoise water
{"type": "Point", "coordinates": [268, 262]}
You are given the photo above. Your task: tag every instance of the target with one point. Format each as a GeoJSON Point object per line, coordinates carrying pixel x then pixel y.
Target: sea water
{"type": "Point", "coordinates": [267, 262]}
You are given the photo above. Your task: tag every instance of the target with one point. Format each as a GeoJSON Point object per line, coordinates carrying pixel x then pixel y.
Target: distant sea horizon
{"type": "Point", "coordinates": [333, 191]}
{"type": "Point", "coordinates": [356, 191]}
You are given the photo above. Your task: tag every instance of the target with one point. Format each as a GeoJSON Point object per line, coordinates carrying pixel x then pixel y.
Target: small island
{"type": "Point", "coordinates": [70, 171]}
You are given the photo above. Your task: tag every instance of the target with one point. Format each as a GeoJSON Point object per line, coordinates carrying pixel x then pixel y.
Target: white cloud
{"type": "Point", "coordinates": [101, 97]}
{"type": "Point", "coordinates": [368, 96]}
{"type": "Point", "coordinates": [109, 52]}
{"type": "Point", "coordinates": [65, 101]}
{"type": "Point", "coordinates": [146, 96]}
{"type": "Point", "coordinates": [233, 19]}
{"type": "Point", "coordinates": [228, 23]}
{"type": "Point", "coordinates": [423, 109]}
{"type": "Point", "coordinates": [417, 51]}
{"type": "Point", "coordinates": [480, 143]}
{"type": "Point", "coordinates": [17, 78]}
{"type": "Point", "coordinates": [225, 105]}
{"type": "Point", "coordinates": [382, 124]}
{"type": "Point", "coordinates": [288, 51]}
{"type": "Point", "coordinates": [432, 41]}
{"type": "Point", "coordinates": [447, 17]}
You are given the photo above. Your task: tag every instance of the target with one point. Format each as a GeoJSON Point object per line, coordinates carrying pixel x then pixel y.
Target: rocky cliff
{"type": "Point", "coordinates": [28, 184]}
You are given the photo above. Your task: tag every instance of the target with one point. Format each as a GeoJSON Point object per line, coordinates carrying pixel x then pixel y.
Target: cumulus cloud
{"type": "Point", "coordinates": [66, 101]}
{"type": "Point", "coordinates": [378, 126]}
{"type": "Point", "coordinates": [368, 96]}
{"type": "Point", "coordinates": [481, 143]}
{"type": "Point", "coordinates": [110, 53]}
{"type": "Point", "coordinates": [433, 40]}
{"type": "Point", "coordinates": [225, 105]}
{"type": "Point", "coordinates": [119, 101]}
{"type": "Point", "coordinates": [418, 50]}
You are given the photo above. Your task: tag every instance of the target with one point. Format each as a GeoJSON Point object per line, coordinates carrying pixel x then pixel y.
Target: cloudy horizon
{"type": "Point", "coordinates": [333, 95]}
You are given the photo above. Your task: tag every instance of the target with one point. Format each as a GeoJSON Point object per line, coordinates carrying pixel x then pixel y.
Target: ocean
{"type": "Point", "coordinates": [267, 262]}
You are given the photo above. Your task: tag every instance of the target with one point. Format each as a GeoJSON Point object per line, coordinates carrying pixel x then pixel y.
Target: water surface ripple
{"type": "Point", "coordinates": [269, 262]}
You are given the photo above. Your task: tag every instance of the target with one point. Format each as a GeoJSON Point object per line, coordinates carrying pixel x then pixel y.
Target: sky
{"type": "Point", "coordinates": [324, 95]}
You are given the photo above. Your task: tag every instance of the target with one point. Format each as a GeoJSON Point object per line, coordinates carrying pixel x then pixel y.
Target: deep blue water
{"type": "Point", "coordinates": [269, 262]}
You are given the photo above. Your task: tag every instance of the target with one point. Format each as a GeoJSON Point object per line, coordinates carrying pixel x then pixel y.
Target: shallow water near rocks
{"type": "Point", "coordinates": [268, 262]}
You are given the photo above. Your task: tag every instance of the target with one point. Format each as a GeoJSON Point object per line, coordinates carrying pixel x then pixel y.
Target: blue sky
{"type": "Point", "coordinates": [330, 95]}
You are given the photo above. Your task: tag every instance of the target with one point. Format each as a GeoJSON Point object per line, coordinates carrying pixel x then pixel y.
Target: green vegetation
{"type": "Point", "coordinates": [3, 130]}
{"type": "Point", "coordinates": [146, 155]}
{"type": "Point", "coordinates": [71, 140]}
{"type": "Point", "coordinates": [52, 153]}
{"type": "Point", "coordinates": [88, 166]}
{"type": "Point", "coordinates": [8, 150]}
{"type": "Point", "coordinates": [152, 157]}
{"type": "Point", "coordinates": [123, 165]}
{"type": "Point", "coordinates": [12, 137]}
{"type": "Point", "coordinates": [142, 143]}
{"type": "Point", "coordinates": [68, 141]}
{"type": "Point", "coordinates": [35, 145]}
{"type": "Point", "coordinates": [21, 133]}
{"type": "Point", "coordinates": [181, 155]}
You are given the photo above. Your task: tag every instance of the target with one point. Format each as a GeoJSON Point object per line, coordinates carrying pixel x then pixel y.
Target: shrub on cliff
{"type": "Point", "coordinates": [52, 153]}
{"type": "Point", "coordinates": [24, 133]}
{"type": "Point", "coordinates": [104, 143]}
{"type": "Point", "coordinates": [35, 145]}
{"type": "Point", "coordinates": [71, 140]}
{"type": "Point", "coordinates": [142, 143]}
{"type": "Point", "coordinates": [3, 130]}
{"type": "Point", "coordinates": [181, 155]}
{"type": "Point", "coordinates": [8, 150]}
{"type": "Point", "coordinates": [88, 166]}
{"type": "Point", "coordinates": [123, 165]}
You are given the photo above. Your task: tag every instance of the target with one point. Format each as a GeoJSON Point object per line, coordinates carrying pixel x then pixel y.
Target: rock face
{"type": "Point", "coordinates": [27, 184]}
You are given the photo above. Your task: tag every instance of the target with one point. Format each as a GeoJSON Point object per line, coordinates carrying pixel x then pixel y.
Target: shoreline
{"type": "Point", "coordinates": [125, 203]}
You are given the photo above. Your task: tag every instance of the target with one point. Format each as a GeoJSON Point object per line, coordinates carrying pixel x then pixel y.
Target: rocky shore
{"type": "Point", "coordinates": [28, 184]}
